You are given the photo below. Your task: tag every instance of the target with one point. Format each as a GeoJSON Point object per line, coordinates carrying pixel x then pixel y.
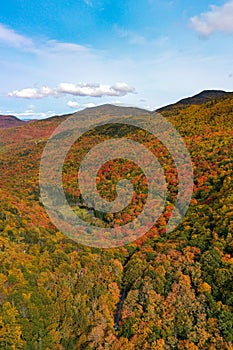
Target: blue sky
{"type": "Point", "coordinates": [59, 56]}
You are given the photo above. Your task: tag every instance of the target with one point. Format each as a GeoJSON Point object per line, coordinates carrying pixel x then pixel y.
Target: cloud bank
{"type": "Point", "coordinates": [31, 115]}
{"type": "Point", "coordinates": [219, 18]}
{"type": "Point", "coordinates": [91, 90]}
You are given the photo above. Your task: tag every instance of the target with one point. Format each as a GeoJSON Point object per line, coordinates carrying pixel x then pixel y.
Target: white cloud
{"type": "Point", "coordinates": [116, 102]}
{"type": "Point", "coordinates": [44, 91]}
{"type": "Point", "coordinates": [92, 90]}
{"type": "Point", "coordinates": [89, 105]}
{"type": "Point", "coordinates": [73, 104]}
{"type": "Point", "coordinates": [11, 38]}
{"type": "Point", "coordinates": [95, 90]}
{"type": "Point", "coordinates": [219, 18]}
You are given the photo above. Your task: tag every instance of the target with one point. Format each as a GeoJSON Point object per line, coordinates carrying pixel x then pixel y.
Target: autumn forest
{"type": "Point", "coordinates": [164, 290]}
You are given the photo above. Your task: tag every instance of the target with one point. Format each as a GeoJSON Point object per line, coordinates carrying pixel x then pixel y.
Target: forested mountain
{"type": "Point", "coordinates": [114, 110]}
{"type": "Point", "coordinates": [202, 97]}
{"type": "Point", "coordinates": [164, 291]}
{"type": "Point", "coordinates": [9, 121]}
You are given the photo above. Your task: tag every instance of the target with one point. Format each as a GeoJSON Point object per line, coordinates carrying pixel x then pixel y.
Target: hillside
{"type": "Point", "coordinates": [200, 98]}
{"type": "Point", "coordinates": [113, 110]}
{"type": "Point", "coordinates": [10, 121]}
{"type": "Point", "coordinates": [164, 291]}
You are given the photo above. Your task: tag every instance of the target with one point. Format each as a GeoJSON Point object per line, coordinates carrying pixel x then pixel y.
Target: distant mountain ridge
{"type": "Point", "coordinates": [10, 121]}
{"type": "Point", "coordinates": [113, 110]}
{"type": "Point", "coordinates": [202, 97]}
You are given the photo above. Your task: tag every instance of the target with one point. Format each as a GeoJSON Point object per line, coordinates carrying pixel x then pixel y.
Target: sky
{"type": "Point", "coordinates": [60, 56]}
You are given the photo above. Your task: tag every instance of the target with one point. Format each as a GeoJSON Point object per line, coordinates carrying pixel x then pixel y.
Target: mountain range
{"type": "Point", "coordinates": [10, 121]}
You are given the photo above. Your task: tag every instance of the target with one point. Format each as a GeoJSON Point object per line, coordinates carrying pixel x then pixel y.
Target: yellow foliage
{"type": "Point", "coordinates": [204, 288]}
